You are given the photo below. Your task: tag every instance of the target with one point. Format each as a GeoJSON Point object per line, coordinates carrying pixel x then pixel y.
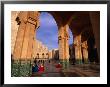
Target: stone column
{"type": "Point", "coordinates": [64, 45]}
{"type": "Point", "coordinates": [95, 21]}
{"type": "Point", "coordinates": [19, 38]}
{"type": "Point", "coordinates": [61, 43]}
{"type": "Point", "coordinates": [28, 44]}
{"type": "Point", "coordinates": [85, 51]}
{"type": "Point", "coordinates": [24, 43]}
{"type": "Point", "coordinates": [66, 41]}
{"type": "Point", "coordinates": [78, 53]}
{"type": "Point", "coordinates": [35, 44]}
{"type": "Point", "coordinates": [14, 29]}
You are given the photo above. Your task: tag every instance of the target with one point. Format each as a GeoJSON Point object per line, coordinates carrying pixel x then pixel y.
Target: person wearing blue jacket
{"type": "Point", "coordinates": [35, 67]}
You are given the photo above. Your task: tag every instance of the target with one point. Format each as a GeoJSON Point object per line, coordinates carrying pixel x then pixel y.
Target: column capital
{"type": "Point", "coordinates": [84, 45]}
{"type": "Point", "coordinates": [33, 21]}
{"type": "Point", "coordinates": [61, 37]}
{"type": "Point", "coordinates": [28, 17]}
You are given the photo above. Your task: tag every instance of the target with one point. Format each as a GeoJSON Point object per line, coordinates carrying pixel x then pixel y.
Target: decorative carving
{"type": "Point", "coordinates": [32, 21]}
{"type": "Point", "coordinates": [60, 37]}
{"type": "Point", "coordinates": [18, 21]}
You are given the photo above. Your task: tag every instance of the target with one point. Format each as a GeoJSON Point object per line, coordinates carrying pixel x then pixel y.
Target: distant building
{"type": "Point", "coordinates": [55, 54]}
{"type": "Point", "coordinates": [50, 54]}
{"type": "Point", "coordinates": [40, 50]}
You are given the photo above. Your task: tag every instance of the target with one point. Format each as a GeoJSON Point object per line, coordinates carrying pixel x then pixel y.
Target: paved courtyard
{"type": "Point", "coordinates": [84, 70]}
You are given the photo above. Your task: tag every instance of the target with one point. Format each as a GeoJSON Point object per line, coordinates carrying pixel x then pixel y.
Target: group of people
{"type": "Point", "coordinates": [39, 66]}
{"type": "Point", "coordinates": [36, 67]}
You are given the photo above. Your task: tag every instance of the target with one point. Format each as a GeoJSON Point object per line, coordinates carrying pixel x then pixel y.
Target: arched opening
{"type": "Point", "coordinates": [84, 37]}
{"type": "Point", "coordinates": [71, 48]}
{"type": "Point", "coordinates": [43, 55]}
{"type": "Point", "coordinates": [47, 33]}
{"type": "Point", "coordinates": [38, 55]}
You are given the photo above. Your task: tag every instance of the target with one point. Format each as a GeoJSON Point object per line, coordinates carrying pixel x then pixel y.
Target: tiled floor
{"type": "Point", "coordinates": [72, 71]}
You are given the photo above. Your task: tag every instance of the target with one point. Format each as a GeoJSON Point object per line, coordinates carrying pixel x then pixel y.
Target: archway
{"type": "Point", "coordinates": [83, 28]}
{"type": "Point", "coordinates": [71, 47]}
{"type": "Point", "coordinates": [47, 33]}
{"type": "Point", "coordinates": [28, 23]}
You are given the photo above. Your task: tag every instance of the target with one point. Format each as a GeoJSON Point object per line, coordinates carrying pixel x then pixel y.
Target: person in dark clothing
{"type": "Point", "coordinates": [49, 61]}
{"type": "Point", "coordinates": [35, 61]}
{"type": "Point", "coordinates": [35, 67]}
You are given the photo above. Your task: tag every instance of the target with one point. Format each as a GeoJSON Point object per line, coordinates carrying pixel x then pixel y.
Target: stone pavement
{"type": "Point", "coordinates": [50, 70]}
{"type": "Point", "coordinates": [83, 70]}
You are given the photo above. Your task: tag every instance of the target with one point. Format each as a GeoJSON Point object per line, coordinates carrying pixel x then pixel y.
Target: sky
{"type": "Point", "coordinates": [47, 33]}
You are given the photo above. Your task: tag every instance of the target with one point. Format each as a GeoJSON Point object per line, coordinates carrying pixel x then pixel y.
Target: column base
{"type": "Point", "coordinates": [79, 61]}
{"type": "Point", "coordinates": [64, 63]}
{"type": "Point", "coordinates": [86, 61]}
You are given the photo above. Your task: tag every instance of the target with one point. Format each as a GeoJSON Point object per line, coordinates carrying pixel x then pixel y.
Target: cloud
{"type": "Point", "coordinates": [48, 35]}
{"type": "Point", "coordinates": [47, 20]}
{"type": "Point", "coordinates": [48, 32]}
